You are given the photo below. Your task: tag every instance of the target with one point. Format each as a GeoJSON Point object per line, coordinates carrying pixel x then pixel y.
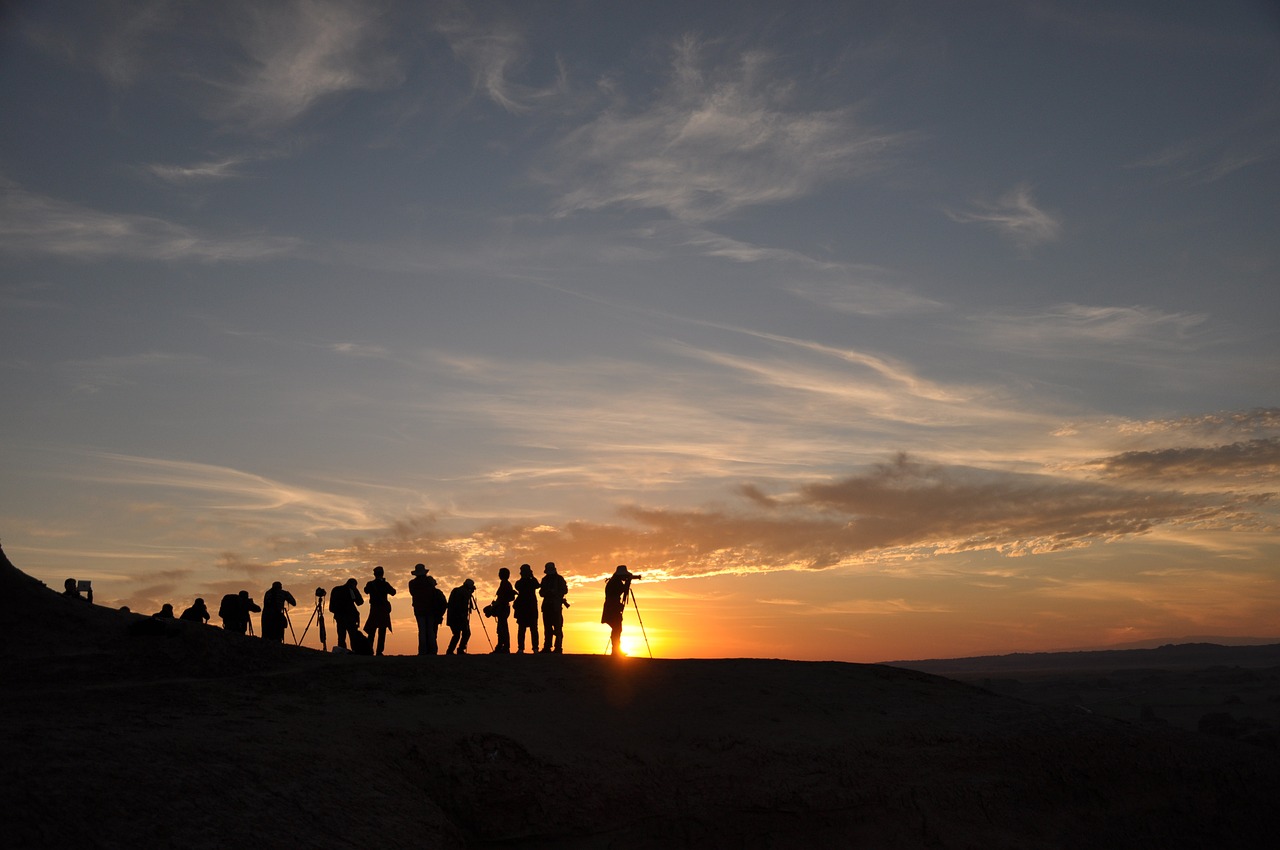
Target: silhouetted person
{"type": "Point", "coordinates": [458, 617]}
{"type": "Point", "coordinates": [502, 611]}
{"type": "Point", "coordinates": [428, 608]}
{"type": "Point", "coordinates": [71, 588]}
{"type": "Point", "coordinates": [526, 608]}
{"type": "Point", "coordinates": [344, 604]}
{"type": "Point", "coordinates": [274, 616]}
{"type": "Point", "coordinates": [379, 592]}
{"type": "Point", "coordinates": [234, 611]}
{"type": "Point", "coordinates": [197, 613]}
{"type": "Point", "coordinates": [616, 592]}
{"type": "Point", "coordinates": [165, 612]}
{"type": "Point", "coordinates": [553, 591]}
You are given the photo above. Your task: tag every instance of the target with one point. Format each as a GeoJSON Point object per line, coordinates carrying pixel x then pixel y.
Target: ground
{"type": "Point", "coordinates": [187, 736]}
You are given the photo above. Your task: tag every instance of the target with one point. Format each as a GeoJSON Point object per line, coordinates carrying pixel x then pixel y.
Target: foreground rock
{"type": "Point", "coordinates": [196, 738]}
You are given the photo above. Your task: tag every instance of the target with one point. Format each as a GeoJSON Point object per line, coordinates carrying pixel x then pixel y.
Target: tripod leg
{"type": "Point", "coordinates": [475, 608]}
{"type": "Point", "coordinates": [308, 626]}
{"type": "Point", "coordinates": [641, 621]}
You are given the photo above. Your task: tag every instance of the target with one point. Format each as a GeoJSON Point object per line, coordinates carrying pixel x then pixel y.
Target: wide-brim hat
{"type": "Point", "coordinates": [420, 570]}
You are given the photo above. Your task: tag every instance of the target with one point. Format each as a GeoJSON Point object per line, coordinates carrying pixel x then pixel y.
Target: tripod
{"type": "Point", "coordinates": [630, 595]}
{"type": "Point", "coordinates": [476, 608]}
{"type": "Point", "coordinates": [290, 622]}
{"type": "Point", "coordinates": [318, 613]}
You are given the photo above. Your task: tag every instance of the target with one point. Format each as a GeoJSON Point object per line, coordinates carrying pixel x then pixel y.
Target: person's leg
{"type": "Point", "coordinates": [504, 635]}
{"type": "Point", "coordinates": [466, 638]}
{"type": "Point", "coordinates": [382, 638]}
{"type": "Point", "coordinates": [615, 637]}
{"type": "Point", "coordinates": [453, 641]}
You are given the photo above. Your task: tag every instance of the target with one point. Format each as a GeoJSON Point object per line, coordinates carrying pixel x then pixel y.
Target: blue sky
{"type": "Point", "coordinates": [868, 329]}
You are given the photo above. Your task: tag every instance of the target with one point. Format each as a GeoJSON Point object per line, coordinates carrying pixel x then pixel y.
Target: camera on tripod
{"type": "Point", "coordinates": [488, 610]}
{"type": "Point", "coordinates": [319, 593]}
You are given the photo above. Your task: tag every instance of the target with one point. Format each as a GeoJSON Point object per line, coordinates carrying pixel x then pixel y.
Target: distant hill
{"type": "Point", "coordinates": [1166, 657]}
{"type": "Point", "coordinates": [1154, 643]}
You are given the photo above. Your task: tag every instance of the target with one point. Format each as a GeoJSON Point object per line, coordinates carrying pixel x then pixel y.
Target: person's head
{"type": "Point", "coordinates": [275, 585]}
{"type": "Point", "coordinates": [377, 571]}
{"type": "Point", "coordinates": [69, 585]}
{"type": "Point", "coordinates": [244, 594]}
{"type": "Point", "coordinates": [526, 570]}
{"type": "Point", "coordinates": [504, 573]}
{"type": "Point", "coordinates": [621, 570]}
{"type": "Point", "coordinates": [420, 570]}
{"type": "Point", "coordinates": [167, 608]}
{"type": "Point", "coordinates": [199, 602]}
{"type": "Point", "coordinates": [351, 582]}
{"type": "Point", "coordinates": [469, 585]}
{"type": "Point", "coordinates": [550, 568]}
{"type": "Point", "coordinates": [429, 580]}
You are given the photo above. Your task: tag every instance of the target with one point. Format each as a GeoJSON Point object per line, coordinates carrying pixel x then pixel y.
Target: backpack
{"type": "Point", "coordinates": [230, 607]}
{"type": "Point", "coordinates": [361, 643]}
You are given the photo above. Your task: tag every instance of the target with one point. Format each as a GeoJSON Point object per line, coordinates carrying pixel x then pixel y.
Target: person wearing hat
{"type": "Point", "coordinates": [344, 603]}
{"type": "Point", "coordinates": [197, 613]}
{"type": "Point", "coordinates": [459, 617]}
{"type": "Point", "coordinates": [379, 591]}
{"type": "Point", "coordinates": [235, 610]}
{"type": "Point", "coordinates": [428, 609]}
{"type": "Point", "coordinates": [553, 591]}
{"type": "Point", "coordinates": [616, 592]}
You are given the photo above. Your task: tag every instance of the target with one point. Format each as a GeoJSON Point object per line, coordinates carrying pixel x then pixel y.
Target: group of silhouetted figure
{"type": "Point", "coordinates": [526, 599]}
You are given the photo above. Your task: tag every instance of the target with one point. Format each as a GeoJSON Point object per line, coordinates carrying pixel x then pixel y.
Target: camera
{"type": "Point", "coordinates": [319, 593]}
{"type": "Point", "coordinates": [488, 610]}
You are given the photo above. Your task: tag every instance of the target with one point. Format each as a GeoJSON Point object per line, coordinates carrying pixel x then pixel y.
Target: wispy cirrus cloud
{"type": "Point", "coordinates": [712, 142]}
{"type": "Point", "coordinates": [114, 38]}
{"type": "Point", "coordinates": [851, 288]}
{"type": "Point", "coordinates": [1015, 215]}
{"type": "Point", "coordinates": [37, 224]}
{"type": "Point", "coordinates": [1086, 331]}
{"type": "Point", "coordinates": [1210, 157]}
{"type": "Point", "coordinates": [492, 54]}
{"type": "Point", "coordinates": [299, 53]}
{"type": "Point", "coordinates": [218, 488]}
{"type": "Point", "coordinates": [206, 171]}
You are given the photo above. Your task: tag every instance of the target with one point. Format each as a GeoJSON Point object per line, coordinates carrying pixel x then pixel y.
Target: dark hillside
{"type": "Point", "coordinates": [195, 738]}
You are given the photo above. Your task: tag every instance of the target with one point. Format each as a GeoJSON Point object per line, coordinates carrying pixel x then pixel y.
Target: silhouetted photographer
{"type": "Point", "coordinates": [275, 617]}
{"type": "Point", "coordinates": [379, 591]}
{"type": "Point", "coordinates": [344, 604]}
{"type": "Point", "coordinates": [458, 617]}
{"type": "Point", "coordinates": [617, 590]}
{"type": "Point", "coordinates": [235, 610]}
{"type": "Point", "coordinates": [526, 608]}
{"type": "Point", "coordinates": [429, 606]}
{"type": "Point", "coordinates": [197, 613]}
{"type": "Point", "coordinates": [553, 591]}
{"type": "Point", "coordinates": [78, 589]}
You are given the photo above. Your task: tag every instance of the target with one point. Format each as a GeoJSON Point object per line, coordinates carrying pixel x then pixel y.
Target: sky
{"type": "Point", "coordinates": [861, 330]}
